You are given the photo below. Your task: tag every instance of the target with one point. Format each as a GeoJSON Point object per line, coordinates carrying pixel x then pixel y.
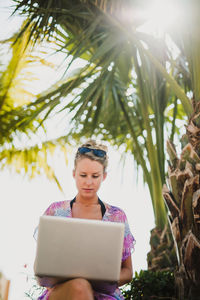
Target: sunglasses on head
{"type": "Point", "coordinates": [96, 152]}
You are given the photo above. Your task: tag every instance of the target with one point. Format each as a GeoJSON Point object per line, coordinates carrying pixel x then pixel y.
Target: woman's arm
{"type": "Point", "coordinates": [126, 271]}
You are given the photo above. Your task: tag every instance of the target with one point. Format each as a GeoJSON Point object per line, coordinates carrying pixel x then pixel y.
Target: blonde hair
{"type": "Point", "coordinates": [93, 144]}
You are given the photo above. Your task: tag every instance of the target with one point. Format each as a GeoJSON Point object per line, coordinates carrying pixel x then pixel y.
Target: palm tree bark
{"type": "Point", "coordinates": [182, 197]}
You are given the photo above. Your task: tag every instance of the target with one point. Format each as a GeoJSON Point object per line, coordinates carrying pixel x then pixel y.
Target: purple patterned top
{"type": "Point", "coordinates": [112, 214]}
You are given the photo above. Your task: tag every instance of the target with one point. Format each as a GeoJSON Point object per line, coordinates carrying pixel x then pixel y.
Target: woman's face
{"type": "Point", "coordinates": [88, 176]}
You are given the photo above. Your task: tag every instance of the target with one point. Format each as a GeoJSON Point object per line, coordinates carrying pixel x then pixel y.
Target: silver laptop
{"type": "Point", "coordinates": [71, 247]}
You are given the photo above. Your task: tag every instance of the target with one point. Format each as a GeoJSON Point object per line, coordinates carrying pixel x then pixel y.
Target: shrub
{"type": "Point", "coordinates": [149, 285]}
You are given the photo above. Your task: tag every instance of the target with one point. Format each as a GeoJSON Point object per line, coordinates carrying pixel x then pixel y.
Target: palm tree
{"type": "Point", "coordinates": [119, 95]}
{"type": "Point", "coordinates": [182, 192]}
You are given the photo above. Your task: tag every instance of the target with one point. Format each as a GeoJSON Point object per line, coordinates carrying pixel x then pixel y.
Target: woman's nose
{"type": "Point", "coordinates": [88, 180]}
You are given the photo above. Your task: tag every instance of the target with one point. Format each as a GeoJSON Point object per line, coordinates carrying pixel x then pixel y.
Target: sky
{"type": "Point", "coordinates": [24, 201]}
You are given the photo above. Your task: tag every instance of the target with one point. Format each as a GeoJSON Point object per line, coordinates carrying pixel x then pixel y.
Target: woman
{"type": "Point", "coordinates": [89, 172]}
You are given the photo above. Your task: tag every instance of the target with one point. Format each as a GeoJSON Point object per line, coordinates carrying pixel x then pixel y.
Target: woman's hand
{"type": "Point", "coordinates": [126, 273]}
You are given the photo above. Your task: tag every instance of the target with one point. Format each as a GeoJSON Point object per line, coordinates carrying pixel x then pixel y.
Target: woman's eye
{"type": "Point", "coordinates": [83, 175]}
{"type": "Point", "coordinates": [95, 176]}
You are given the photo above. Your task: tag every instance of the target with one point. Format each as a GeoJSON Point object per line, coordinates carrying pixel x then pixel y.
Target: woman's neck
{"type": "Point", "coordinates": [86, 201]}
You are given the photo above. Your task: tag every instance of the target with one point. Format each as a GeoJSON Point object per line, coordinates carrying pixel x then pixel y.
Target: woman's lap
{"type": "Point", "coordinates": [97, 296]}
{"type": "Point", "coordinates": [81, 285]}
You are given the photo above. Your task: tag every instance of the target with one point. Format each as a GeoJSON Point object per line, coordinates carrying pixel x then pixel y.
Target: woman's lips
{"type": "Point", "coordinates": [87, 190]}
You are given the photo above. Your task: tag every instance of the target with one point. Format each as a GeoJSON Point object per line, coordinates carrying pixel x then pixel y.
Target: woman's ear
{"type": "Point", "coordinates": [104, 175]}
{"type": "Point", "coordinates": [73, 173]}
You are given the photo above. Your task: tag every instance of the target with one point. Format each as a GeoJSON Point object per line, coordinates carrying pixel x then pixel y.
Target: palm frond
{"type": "Point", "coordinates": [34, 160]}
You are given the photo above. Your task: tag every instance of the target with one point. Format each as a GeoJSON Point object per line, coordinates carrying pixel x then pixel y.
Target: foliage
{"type": "Point", "coordinates": [21, 147]}
{"type": "Point", "coordinates": [35, 290]}
{"type": "Point", "coordinates": [148, 285]}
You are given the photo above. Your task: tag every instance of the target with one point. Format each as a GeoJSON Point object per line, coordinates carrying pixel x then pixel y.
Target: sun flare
{"type": "Point", "coordinates": [160, 14]}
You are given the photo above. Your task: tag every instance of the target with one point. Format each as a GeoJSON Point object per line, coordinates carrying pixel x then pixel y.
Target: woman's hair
{"type": "Point", "coordinates": [100, 156]}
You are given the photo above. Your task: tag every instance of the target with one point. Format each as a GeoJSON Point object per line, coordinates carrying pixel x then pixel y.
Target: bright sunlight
{"type": "Point", "coordinates": [160, 15]}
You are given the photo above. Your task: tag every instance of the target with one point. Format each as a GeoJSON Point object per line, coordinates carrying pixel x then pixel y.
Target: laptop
{"type": "Point", "coordinates": [70, 248]}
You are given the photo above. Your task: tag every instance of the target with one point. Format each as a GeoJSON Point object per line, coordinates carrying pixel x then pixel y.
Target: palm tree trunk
{"type": "Point", "coordinates": [182, 197]}
{"type": "Point", "coordinates": [162, 255]}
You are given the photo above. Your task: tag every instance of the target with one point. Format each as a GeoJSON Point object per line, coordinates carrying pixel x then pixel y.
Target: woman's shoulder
{"type": "Point", "coordinates": [58, 208]}
{"type": "Point", "coordinates": [115, 213]}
